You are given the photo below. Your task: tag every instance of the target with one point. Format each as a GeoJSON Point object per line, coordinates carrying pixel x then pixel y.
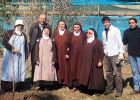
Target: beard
{"type": "Point", "coordinates": [18, 30]}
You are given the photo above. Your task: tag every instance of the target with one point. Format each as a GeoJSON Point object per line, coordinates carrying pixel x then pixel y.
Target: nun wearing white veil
{"type": "Point", "coordinates": [45, 73]}
{"type": "Point", "coordinates": [90, 63]}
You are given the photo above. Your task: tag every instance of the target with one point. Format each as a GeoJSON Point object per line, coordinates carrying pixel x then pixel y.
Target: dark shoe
{"type": "Point", "coordinates": [134, 92]}
{"type": "Point", "coordinates": [118, 94]}
{"type": "Point", "coordinates": [107, 92]}
{"type": "Point", "coordinates": [1, 91]}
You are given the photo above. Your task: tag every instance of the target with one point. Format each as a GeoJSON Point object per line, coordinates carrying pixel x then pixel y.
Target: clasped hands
{"type": "Point", "coordinates": [15, 50]}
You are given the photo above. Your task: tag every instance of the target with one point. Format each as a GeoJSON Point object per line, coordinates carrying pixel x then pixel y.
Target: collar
{"type": "Point", "coordinates": [40, 25]}
{"type": "Point", "coordinates": [90, 39]}
{"type": "Point", "coordinates": [45, 37]}
{"type": "Point", "coordinates": [61, 32]}
{"type": "Point", "coordinates": [19, 34]}
{"type": "Point", "coordinates": [133, 28]}
{"type": "Point", "coordinates": [107, 29]}
{"type": "Point", "coordinates": [76, 34]}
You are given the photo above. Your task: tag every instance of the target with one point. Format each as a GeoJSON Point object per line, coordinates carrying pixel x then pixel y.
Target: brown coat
{"type": "Point", "coordinates": [76, 43]}
{"type": "Point", "coordinates": [89, 73]}
{"type": "Point", "coordinates": [62, 44]}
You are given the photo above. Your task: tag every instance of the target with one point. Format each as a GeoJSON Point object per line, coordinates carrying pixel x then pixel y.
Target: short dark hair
{"type": "Point", "coordinates": [133, 19]}
{"type": "Point", "coordinates": [105, 18]}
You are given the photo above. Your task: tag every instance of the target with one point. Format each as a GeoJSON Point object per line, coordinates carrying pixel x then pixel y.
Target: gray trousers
{"type": "Point", "coordinates": [111, 69]}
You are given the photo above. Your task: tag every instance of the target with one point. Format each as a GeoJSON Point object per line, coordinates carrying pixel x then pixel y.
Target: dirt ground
{"type": "Point", "coordinates": [65, 94]}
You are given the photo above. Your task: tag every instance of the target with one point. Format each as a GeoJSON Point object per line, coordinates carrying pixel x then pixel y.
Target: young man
{"type": "Point", "coordinates": [132, 39]}
{"type": "Point", "coordinates": [113, 49]}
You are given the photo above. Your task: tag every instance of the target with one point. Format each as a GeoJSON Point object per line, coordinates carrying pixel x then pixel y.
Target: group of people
{"type": "Point", "coordinates": [72, 59]}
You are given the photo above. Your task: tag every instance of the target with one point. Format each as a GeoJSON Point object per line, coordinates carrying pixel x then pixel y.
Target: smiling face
{"type": "Point", "coordinates": [46, 32]}
{"type": "Point", "coordinates": [132, 24]}
{"type": "Point", "coordinates": [89, 33]}
{"type": "Point", "coordinates": [42, 19]}
{"type": "Point", "coordinates": [19, 27]}
{"type": "Point", "coordinates": [76, 28]}
{"type": "Point", "coordinates": [106, 23]}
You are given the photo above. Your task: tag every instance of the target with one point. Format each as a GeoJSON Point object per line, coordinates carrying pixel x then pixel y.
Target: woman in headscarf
{"type": "Point", "coordinates": [61, 38]}
{"type": "Point", "coordinates": [76, 42]}
{"type": "Point", "coordinates": [14, 57]}
{"type": "Point", "coordinates": [45, 72]}
{"type": "Point", "coordinates": [90, 63]}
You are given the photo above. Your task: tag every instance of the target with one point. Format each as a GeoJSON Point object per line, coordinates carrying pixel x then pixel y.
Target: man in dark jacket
{"type": "Point", "coordinates": [131, 40]}
{"type": "Point", "coordinates": [34, 34]}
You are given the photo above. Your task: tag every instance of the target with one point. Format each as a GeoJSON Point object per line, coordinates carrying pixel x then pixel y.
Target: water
{"type": "Point", "coordinates": [103, 2]}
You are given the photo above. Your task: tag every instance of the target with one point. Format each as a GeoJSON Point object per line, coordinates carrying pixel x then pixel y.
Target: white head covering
{"type": "Point", "coordinates": [90, 39]}
{"type": "Point", "coordinates": [19, 22]}
{"type": "Point", "coordinates": [44, 36]}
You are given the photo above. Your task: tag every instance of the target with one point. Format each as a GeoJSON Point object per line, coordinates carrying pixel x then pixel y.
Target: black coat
{"type": "Point", "coordinates": [35, 33]}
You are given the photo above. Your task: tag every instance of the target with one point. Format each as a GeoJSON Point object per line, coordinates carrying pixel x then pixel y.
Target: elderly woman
{"type": "Point", "coordinates": [14, 56]}
{"type": "Point", "coordinates": [45, 72]}
{"type": "Point", "coordinates": [90, 63]}
{"type": "Point", "coordinates": [77, 39]}
{"type": "Point", "coordinates": [60, 38]}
